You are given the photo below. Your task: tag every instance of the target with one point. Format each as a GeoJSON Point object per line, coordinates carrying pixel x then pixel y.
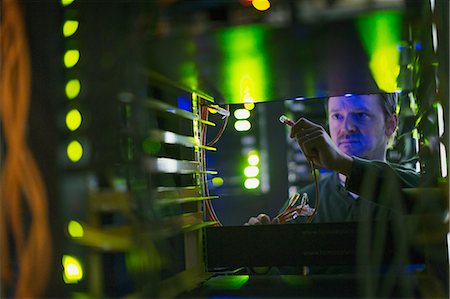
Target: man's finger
{"type": "Point", "coordinates": [300, 125]}
{"type": "Point", "coordinates": [263, 218]}
{"type": "Point", "coordinates": [253, 221]}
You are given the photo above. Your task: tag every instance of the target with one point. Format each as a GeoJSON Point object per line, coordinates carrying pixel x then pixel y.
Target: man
{"type": "Point", "coordinates": [363, 184]}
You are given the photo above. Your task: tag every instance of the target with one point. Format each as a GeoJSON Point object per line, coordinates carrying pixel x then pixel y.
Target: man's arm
{"type": "Point", "coordinates": [370, 178]}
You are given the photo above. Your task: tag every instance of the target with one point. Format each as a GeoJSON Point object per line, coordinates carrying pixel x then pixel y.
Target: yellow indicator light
{"type": "Point", "coordinates": [253, 159]}
{"type": "Point", "coordinates": [66, 2]}
{"type": "Point", "coordinates": [212, 110]}
{"type": "Point", "coordinates": [75, 229]}
{"type": "Point", "coordinates": [242, 125]}
{"type": "Point", "coordinates": [74, 151]}
{"type": "Point", "coordinates": [73, 272]}
{"type": "Point", "coordinates": [249, 106]}
{"type": "Point", "coordinates": [71, 58]}
{"type": "Point", "coordinates": [251, 171]}
{"type": "Point", "coordinates": [251, 183]}
{"type": "Point", "coordinates": [217, 181]}
{"type": "Point", "coordinates": [261, 5]}
{"type": "Point", "coordinates": [73, 119]}
{"type": "Point", "coordinates": [70, 27]}
{"type": "Point", "coordinates": [73, 88]}
{"type": "Point", "coordinates": [241, 113]}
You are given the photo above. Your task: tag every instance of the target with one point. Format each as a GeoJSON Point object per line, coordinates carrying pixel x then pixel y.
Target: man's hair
{"type": "Point", "coordinates": [388, 102]}
{"type": "Point", "coordinates": [389, 105]}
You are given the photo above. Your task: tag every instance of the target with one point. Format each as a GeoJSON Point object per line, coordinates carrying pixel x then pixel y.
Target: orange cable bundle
{"type": "Point", "coordinates": [20, 177]}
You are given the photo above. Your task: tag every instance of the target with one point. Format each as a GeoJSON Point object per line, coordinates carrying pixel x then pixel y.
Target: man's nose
{"type": "Point", "coordinates": [349, 124]}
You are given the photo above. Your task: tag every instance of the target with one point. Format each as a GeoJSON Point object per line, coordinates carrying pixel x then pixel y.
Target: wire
{"type": "Point", "coordinates": [20, 177]}
{"type": "Point", "coordinates": [210, 212]}
{"type": "Point", "coordinates": [290, 123]}
{"type": "Point", "coordinates": [222, 128]}
{"type": "Point", "coordinates": [316, 187]}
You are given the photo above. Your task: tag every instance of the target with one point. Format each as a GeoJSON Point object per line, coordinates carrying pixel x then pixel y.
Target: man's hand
{"type": "Point", "coordinates": [260, 219]}
{"type": "Point", "coordinates": [318, 147]}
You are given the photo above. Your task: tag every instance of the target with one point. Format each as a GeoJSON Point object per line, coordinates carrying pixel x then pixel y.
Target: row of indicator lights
{"type": "Point", "coordinates": [73, 270]}
{"type": "Point", "coordinates": [71, 58]}
{"type": "Point", "coordinates": [242, 124]}
{"type": "Point", "coordinates": [251, 172]}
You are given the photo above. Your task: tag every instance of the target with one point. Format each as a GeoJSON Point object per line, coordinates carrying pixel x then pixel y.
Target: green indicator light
{"type": "Point", "coordinates": [242, 125]}
{"type": "Point", "coordinates": [73, 88]}
{"type": "Point", "coordinates": [253, 159]}
{"type": "Point", "coordinates": [73, 119]}
{"type": "Point", "coordinates": [380, 34]}
{"type": "Point", "coordinates": [70, 27]}
{"type": "Point", "coordinates": [75, 229]}
{"type": "Point", "coordinates": [217, 181]}
{"type": "Point", "coordinates": [74, 151]}
{"type": "Point", "coordinates": [251, 171]}
{"type": "Point", "coordinates": [66, 2]}
{"type": "Point", "coordinates": [241, 113]}
{"type": "Point", "coordinates": [73, 272]}
{"type": "Point", "coordinates": [71, 58]}
{"type": "Point", "coordinates": [251, 183]}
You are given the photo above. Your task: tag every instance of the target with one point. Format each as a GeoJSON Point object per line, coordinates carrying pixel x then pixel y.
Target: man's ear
{"type": "Point", "coordinates": [391, 125]}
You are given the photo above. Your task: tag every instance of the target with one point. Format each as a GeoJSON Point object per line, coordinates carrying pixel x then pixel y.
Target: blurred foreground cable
{"type": "Point", "coordinates": [25, 265]}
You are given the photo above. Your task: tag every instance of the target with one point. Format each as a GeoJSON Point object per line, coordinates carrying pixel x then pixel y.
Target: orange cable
{"type": "Point", "coordinates": [20, 177]}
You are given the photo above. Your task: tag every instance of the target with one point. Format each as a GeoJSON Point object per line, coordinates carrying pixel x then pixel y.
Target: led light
{"type": "Point", "coordinates": [74, 151]}
{"type": "Point", "coordinates": [380, 34]}
{"type": "Point", "coordinates": [241, 113]}
{"type": "Point", "coordinates": [443, 160]}
{"type": "Point", "coordinates": [261, 5]}
{"type": "Point", "coordinates": [217, 181]}
{"type": "Point", "coordinates": [249, 106]}
{"type": "Point", "coordinates": [435, 36]}
{"type": "Point", "coordinates": [242, 125]}
{"type": "Point", "coordinates": [448, 245]}
{"type": "Point", "coordinates": [251, 183]}
{"type": "Point", "coordinates": [75, 229]}
{"type": "Point", "coordinates": [73, 119]}
{"type": "Point", "coordinates": [73, 88]}
{"type": "Point", "coordinates": [66, 2]}
{"type": "Point", "coordinates": [251, 171]}
{"type": "Point", "coordinates": [440, 114]}
{"type": "Point", "coordinates": [253, 159]}
{"type": "Point", "coordinates": [418, 166]}
{"type": "Point", "coordinates": [73, 272]}
{"type": "Point", "coordinates": [71, 58]}
{"type": "Point", "coordinates": [70, 27]}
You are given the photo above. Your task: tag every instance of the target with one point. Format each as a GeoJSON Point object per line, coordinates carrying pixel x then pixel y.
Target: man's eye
{"type": "Point", "coordinates": [336, 116]}
{"type": "Point", "coordinates": [362, 116]}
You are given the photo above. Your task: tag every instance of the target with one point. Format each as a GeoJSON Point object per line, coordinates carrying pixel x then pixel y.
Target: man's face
{"type": "Point", "coordinates": [358, 127]}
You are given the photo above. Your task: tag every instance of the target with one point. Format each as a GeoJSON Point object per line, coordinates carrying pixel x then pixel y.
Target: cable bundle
{"type": "Point", "coordinates": [210, 212]}
{"type": "Point", "coordinates": [20, 177]}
